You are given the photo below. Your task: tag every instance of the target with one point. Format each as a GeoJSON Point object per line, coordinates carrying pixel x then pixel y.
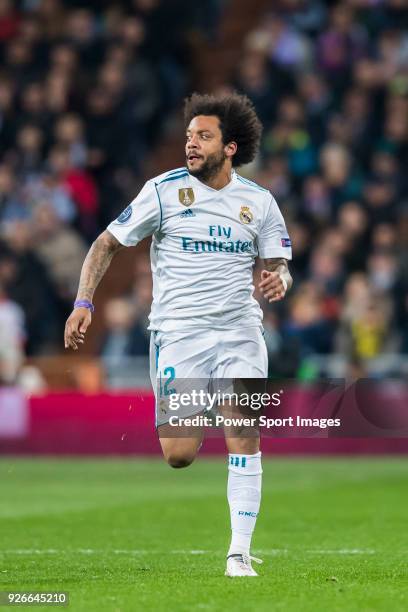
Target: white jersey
{"type": "Point", "coordinates": [204, 245]}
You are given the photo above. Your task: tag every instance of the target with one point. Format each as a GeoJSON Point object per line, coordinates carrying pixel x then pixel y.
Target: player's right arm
{"type": "Point", "coordinates": [140, 219]}
{"type": "Point", "coordinates": [94, 267]}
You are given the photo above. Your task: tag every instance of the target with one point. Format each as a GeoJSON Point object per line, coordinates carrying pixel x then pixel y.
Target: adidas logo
{"type": "Point", "coordinates": [187, 213]}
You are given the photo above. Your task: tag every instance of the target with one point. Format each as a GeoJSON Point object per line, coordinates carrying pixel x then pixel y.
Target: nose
{"type": "Point", "coordinates": [193, 142]}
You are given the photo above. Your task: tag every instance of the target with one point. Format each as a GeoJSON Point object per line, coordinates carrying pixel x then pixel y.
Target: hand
{"type": "Point", "coordinates": [271, 286]}
{"type": "Point", "coordinates": [76, 326]}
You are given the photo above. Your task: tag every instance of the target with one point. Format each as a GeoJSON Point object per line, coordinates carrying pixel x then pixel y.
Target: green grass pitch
{"type": "Point", "coordinates": [129, 535]}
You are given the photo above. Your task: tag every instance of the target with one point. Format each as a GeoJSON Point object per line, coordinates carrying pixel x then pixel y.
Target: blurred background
{"type": "Point", "coordinates": [91, 97]}
{"type": "Point", "coordinates": [90, 107]}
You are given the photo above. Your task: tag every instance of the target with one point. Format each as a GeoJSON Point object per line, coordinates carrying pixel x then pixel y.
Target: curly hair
{"type": "Point", "coordinates": [238, 121]}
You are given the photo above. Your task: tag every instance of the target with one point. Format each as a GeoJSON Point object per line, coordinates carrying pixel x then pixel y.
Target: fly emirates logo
{"type": "Point", "coordinates": [219, 240]}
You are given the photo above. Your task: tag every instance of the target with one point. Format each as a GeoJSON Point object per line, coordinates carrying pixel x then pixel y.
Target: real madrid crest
{"type": "Point", "coordinates": [245, 215]}
{"type": "Point", "coordinates": [186, 196]}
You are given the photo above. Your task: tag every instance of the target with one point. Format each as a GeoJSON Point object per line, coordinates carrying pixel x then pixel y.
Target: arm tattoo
{"type": "Point", "coordinates": [96, 263]}
{"type": "Point", "coordinates": [279, 265]}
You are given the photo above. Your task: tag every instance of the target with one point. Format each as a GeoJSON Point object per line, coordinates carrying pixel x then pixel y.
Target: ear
{"type": "Point", "coordinates": [230, 149]}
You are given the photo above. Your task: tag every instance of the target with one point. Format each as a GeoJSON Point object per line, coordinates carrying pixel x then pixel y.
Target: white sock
{"type": "Point", "coordinates": [244, 498]}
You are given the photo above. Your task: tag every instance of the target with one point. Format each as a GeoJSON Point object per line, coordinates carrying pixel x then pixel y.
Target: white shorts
{"type": "Point", "coordinates": [206, 354]}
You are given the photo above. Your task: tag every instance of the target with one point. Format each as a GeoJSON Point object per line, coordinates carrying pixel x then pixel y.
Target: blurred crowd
{"type": "Point", "coordinates": [330, 82]}
{"type": "Point", "coordinates": [84, 91]}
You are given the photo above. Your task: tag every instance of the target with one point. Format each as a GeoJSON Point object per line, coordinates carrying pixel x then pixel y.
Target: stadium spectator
{"type": "Point", "coordinates": [12, 336]}
{"type": "Point", "coordinates": [11, 206]}
{"type": "Point", "coordinates": [307, 326]}
{"type": "Point", "coordinates": [30, 286]}
{"type": "Point", "coordinates": [366, 332]}
{"type": "Point", "coordinates": [61, 249]}
{"type": "Point", "coordinates": [9, 20]}
{"type": "Point", "coordinates": [124, 337]}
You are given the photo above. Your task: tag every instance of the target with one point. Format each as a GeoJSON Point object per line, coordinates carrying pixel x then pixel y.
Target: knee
{"type": "Point", "coordinates": [179, 460]}
{"type": "Point", "coordinates": [180, 452]}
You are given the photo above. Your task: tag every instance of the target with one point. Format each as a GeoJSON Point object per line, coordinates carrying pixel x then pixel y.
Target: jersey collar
{"type": "Point", "coordinates": [197, 182]}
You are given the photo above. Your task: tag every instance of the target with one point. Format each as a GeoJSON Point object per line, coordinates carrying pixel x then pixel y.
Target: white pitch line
{"type": "Point", "coordinates": [31, 551]}
{"type": "Point", "coordinates": [344, 551]}
{"type": "Point", "coordinates": [92, 551]}
{"type": "Point", "coordinates": [135, 552]}
{"type": "Point", "coordinates": [191, 552]}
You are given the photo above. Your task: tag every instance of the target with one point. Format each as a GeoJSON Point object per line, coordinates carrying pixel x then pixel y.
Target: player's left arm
{"type": "Point", "coordinates": [276, 279]}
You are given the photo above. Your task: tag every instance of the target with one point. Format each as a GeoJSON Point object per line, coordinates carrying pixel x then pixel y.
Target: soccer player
{"type": "Point", "coordinates": [208, 225]}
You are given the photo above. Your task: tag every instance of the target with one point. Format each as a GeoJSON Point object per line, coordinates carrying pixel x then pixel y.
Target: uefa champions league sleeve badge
{"type": "Point", "coordinates": [125, 215]}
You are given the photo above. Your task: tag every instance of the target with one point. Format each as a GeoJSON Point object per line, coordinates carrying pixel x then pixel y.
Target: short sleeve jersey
{"type": "Point", "coordinates": [205, 242]}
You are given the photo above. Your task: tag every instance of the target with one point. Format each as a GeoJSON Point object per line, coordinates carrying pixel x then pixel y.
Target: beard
{"type": "Point", "coordinates": [210, 167]}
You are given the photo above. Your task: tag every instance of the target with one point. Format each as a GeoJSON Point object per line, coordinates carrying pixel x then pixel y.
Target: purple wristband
{"type": "Point", "coordinates": [84, 304]}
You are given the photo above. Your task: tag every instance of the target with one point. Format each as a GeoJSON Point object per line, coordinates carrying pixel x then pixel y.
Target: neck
{"type": "Point", "coordinates": [221, 179]}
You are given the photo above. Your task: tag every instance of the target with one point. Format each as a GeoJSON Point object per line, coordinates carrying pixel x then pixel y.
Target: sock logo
{"type": "Point", "coordinates": [236, 461]}
{"type": "Point", "coordinates": [245, 513]}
